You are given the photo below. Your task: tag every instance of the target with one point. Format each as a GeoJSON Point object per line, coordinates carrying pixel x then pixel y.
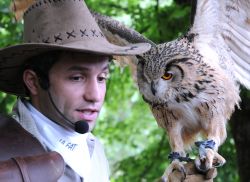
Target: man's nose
{"type": "Point", "coordinates": [93, 91]}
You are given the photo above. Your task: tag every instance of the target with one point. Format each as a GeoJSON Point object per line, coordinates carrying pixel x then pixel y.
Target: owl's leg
{"type": "Point", "coordinates": [208, 155]}
{"type": "Point", "coordinates": [177, 156]}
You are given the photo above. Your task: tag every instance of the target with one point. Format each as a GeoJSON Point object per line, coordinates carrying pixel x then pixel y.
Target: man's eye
{"type": "Point", "coordinates": [102, 79]}
{"type": "Point", "coordinates": [76, 78]}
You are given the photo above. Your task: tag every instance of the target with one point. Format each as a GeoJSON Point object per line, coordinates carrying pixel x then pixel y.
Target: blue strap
{"type": "Point", "coordinates": [206, 144]}
{"type": "Point", "coordinates": [176, 155]}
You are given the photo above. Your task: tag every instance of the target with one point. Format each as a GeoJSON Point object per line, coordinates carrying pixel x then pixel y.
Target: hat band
{"type": "Point", "coordinates": [67, 36]}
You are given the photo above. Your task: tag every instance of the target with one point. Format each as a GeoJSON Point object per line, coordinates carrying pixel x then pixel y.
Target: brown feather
{"type": "Point", "coordinates": [18, 7]}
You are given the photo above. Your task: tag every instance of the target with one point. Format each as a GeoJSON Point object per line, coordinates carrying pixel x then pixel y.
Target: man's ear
{"type": "Point", "coordinates": [31, 81]}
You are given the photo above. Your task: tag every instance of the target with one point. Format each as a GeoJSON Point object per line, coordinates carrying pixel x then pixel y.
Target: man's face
{"type": "Point", "coordinates": [77, 87]}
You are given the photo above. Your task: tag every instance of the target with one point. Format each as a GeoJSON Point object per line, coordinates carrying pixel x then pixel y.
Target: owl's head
{"type": "Point", "coordinates": [168, 74]}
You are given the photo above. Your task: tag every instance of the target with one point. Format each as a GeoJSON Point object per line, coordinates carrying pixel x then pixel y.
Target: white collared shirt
{"type": "Point", "coordinates": [83, 153]}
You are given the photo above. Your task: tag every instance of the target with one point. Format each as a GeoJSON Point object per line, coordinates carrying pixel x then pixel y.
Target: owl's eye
{"type": "Point", "coordinates": [167, 76]}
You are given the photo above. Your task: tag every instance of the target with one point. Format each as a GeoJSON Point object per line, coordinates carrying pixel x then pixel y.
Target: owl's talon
{"type": "Point", "coordinates": [202, 158]}
{"type": "Point", "coordinates": [218, 164]}
{"type": "Point", "coordinates": [175, 172]}
{"type": "Point", "coordinates": [208, 158]}
{"type": "Point", "coordinates": [218, 160]}
{"type": "Point", "coordinates": [201, 165]}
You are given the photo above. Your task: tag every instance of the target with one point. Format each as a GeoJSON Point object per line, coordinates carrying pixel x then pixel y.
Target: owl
{"type": "Point", "coordinates": [192, 83]}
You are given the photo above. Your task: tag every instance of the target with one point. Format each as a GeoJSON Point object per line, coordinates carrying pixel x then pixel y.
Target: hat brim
{"type": "Point", "coordinates": [12, 58]}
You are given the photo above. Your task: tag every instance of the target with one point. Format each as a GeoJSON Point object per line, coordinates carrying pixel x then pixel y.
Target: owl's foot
{"type": "Point", "coordinates": [176, 170]}
{"type": "Point", "coordinates": [208, 158]}
{"type": "Point", "coordinates": [175, 167]}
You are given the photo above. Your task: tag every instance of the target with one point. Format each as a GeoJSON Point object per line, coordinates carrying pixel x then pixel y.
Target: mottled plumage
{"type": "Point", "coordinates": [192, 83]}
{"type": "Point", "coordinates": [196, 100]}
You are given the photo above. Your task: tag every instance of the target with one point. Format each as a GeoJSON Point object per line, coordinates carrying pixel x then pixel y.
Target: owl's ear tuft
{"type": "Point", "coordinates": [119, 34]}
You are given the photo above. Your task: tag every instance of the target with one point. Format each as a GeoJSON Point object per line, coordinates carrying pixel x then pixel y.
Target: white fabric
{"type": "Point", "coordinates": [73, 147]}
{"type": "Point", "coordinates": [100, 168]}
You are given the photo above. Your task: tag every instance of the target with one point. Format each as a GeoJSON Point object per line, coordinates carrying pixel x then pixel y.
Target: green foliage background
{"type": "Point", "coordinates": [136, 147]}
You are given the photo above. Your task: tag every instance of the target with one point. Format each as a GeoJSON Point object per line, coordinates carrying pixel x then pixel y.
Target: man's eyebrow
{"type": "Point", "coordinates": [105, 68]}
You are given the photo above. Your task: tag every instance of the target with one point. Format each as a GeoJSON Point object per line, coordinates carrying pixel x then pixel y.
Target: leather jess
{"type": "Point", "coordinates": [23, 158]}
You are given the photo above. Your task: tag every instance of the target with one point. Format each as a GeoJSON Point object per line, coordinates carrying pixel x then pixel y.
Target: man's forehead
{"type": "Point", "coordinates": [81, 62]}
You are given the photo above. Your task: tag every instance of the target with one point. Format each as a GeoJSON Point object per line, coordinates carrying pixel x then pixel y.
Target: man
{"type": "Point", "coordinates": [62, 68]}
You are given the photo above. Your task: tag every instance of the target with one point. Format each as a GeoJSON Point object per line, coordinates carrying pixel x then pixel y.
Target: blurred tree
{"type": "Point", "coordinates": [240, 124]}
{"type": "Point", "coordinates": [137, 149]}
{"type": "Point", "coordinates": [10, 33]}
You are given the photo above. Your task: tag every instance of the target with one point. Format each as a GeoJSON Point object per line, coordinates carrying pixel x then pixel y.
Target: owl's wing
{"type": "Point", "coordinates": [224, 26]}
{"type": "Point", "coordinates": [119, 34]}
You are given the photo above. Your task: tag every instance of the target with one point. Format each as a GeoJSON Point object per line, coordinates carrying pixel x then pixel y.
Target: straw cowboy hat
{"type": "Point", "coordinates": [56, 25]}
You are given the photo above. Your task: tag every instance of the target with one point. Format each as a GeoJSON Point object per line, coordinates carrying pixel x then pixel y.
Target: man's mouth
{"type": "Point", "coordinates": [87, 114]}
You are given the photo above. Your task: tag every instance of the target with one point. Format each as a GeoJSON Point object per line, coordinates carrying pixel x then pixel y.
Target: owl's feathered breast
{"type": "Point", "coordinates": [197, 93]}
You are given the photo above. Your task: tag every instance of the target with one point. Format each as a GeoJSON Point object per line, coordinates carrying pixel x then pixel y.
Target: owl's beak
{"type": "Point", "coordinates": [153, 87]}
